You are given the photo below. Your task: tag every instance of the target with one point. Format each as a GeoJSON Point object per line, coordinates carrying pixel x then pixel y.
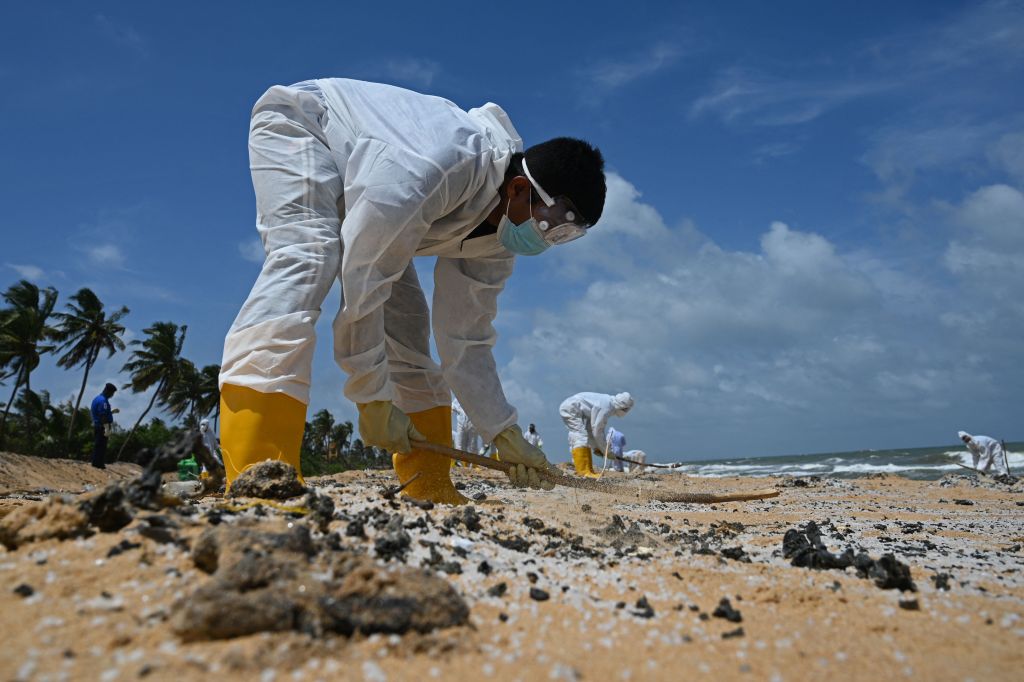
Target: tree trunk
{"type": "Point", "coordinates": [7, 408]}
{"type": "Point", "coordinates": [139, 420]}
{"type": "Point", "coordinates": [89, 360]}
{"type": "Point", "coordinates": [30, 445]}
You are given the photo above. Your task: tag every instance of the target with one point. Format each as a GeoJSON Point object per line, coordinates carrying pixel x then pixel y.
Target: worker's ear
{"type": "Point", "coordinates": [517, 187]}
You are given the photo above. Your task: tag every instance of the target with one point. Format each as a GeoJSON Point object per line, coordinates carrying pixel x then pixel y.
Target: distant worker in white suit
{"type": "Point", "coordinates": [464, 435]}
{"type": "Point", "coordinates": [533, 438]}
{"type": "Point", "coordinates": [209, 439]}
{"type": "Point", "coordinates": [586, 417]}
{"type": "Point", "coordinates": [636, 456]}
{"type": "Point", "coordinates": [983, 449]}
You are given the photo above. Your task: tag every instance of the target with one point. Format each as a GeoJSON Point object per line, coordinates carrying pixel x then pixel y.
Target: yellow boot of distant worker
{"type": "Point", "coordinates": [581, 459]}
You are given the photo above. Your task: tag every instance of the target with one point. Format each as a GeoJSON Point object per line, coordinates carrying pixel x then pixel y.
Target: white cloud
{"type": "Point", "coordinates": [629, 232]}
{"type": "Point", "coordinates": [252, 250]}
{"type": "Point", "coordinates": [105, 255]}
{"type": "Point", "coordinates": [731, 352]}
{"type": "Point", "coordinates": [897, 153]}
{"type": "Point", "coordinates": [996, 215]}
{"type": "Point", "coordinates": [612, 74]}
{"type": "Point", "coordinates": [739, 96]}
{"type": "Point", "coordinates": [32, 273]}
{"type": "Point", "coordinates": [1008, 153]}
{"type": "Point", "coordinates": [989, 251]}
{"type": "Point", "coordinates": [943, 56]}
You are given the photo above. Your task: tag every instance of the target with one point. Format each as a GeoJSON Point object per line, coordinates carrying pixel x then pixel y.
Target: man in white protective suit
{"type": "Point", "coordinates": [533, 437]}
{"type": "Point", "coordinates": [209, 439]}
{"type": "Point", "coordinates": [586, 417]}
{"type": "Point", "coordinates": [353, 180]}
{"type": "Point", "coordinates": [983, 449]}
{"type": "Point", "coordinates": [465, 435]}
{"type": "Point", "coordinates": [638, 456]}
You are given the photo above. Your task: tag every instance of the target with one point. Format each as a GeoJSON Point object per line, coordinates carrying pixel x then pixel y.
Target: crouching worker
{"type": "Point", "coordinates": [586, 417]}
{"type": "Point", "coordinates": [352, 181]}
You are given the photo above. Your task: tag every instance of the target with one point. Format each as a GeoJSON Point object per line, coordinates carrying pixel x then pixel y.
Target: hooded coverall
{"type": "Point", "coordinates": [352, 180]}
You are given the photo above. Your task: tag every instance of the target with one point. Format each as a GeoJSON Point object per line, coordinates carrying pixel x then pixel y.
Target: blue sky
{"type": "Point", "coordinates": [814, 238]}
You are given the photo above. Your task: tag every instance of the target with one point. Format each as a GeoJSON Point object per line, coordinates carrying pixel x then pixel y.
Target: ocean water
{"type": "Point", "coordinates": [917, 463]}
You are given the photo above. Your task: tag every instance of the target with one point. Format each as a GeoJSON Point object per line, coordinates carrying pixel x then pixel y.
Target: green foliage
{"type": "Point", "coordinates": [155, 361]}
{"type": "Point", "coordinates": [153, 434]}
{"type": "Point", "coordinates": [85, 332]}
{"type": "Point", "coordinates": [326, 448]}
{"type": "Point", "coordinates": [47, 428]}
{"type": "Point", "coordinates": [25, 336]}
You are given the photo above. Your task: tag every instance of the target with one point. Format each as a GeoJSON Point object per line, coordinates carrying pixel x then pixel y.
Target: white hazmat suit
{"type": "Point", "coordinates": [533, 437]}
{"type": "Point", "coordinates": [209, 439]}
{"type": "Point", "coordinates": [464, 435]}
{"type": "Point", "coordinates": [352, 181]}
{"type": "Point", "coordinates": [586, 417]}
{"type": "Point", "coordinates": [983, 449]}
{"type": "Point", "coordinates": [636, 456]}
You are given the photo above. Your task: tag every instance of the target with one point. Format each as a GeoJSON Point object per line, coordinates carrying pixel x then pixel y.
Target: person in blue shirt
{"type": "Point", "coordinates": [102, 422]}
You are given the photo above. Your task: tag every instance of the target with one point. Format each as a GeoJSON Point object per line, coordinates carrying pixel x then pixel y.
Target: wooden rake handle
{"type": "Point", "coordinates": [559, 478]}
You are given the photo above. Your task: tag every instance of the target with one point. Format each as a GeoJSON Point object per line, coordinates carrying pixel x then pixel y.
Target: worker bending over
{"type": "Point", "coordinates": [353, 180]}
{"type": "Point", "coordinates": [983, 449]}
{"type": "Point", "coordinates": [586, 416]}
{"type": "Point", "coordinates": [637, 460]}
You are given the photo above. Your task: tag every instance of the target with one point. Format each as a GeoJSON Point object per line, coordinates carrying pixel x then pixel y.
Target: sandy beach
{"type": "Point", "coordinates": [594, 586]}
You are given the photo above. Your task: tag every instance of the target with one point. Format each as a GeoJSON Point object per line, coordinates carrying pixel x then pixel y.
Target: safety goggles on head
{"type": "Point", "coordinates": [559, 220]}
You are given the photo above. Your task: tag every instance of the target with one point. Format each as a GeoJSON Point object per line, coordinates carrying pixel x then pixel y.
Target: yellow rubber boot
{"type": "Point", "coordinates": [581, 458]}
{"type": "Point", "coordinates": [435, 481]}
{"type": "Point", "coordinates": [258, 426]}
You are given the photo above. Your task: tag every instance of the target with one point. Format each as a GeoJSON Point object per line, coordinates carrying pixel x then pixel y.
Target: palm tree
{"type": "Point", "coordinates": [194, 393]}
{"type": "Point", "coordinates": [320, 432]}
{"type": "Point", "coordinates": [340, 435]}
{"type": "Point", "coordinates": [24, 336]}
{"type": "Point", "coordinates": [44, 422]}
{"type": "Point", "coordinates": [154, 362]}
{"type": "Point", "coordinates": [209, 392]}
{"type": "Point", "coordinates": [338, 444]}
{"type": "Point", "coordinates": [183, 394]}
{"type": "Point", "coordinates": [85, 332]}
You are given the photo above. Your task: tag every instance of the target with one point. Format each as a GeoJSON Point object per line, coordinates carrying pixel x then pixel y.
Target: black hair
{"type": "Point", "coordinates": [566, 166]}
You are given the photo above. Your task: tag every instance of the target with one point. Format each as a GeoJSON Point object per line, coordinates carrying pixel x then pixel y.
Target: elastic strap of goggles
{"type": "Point", "coordinates": [548, 201]}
